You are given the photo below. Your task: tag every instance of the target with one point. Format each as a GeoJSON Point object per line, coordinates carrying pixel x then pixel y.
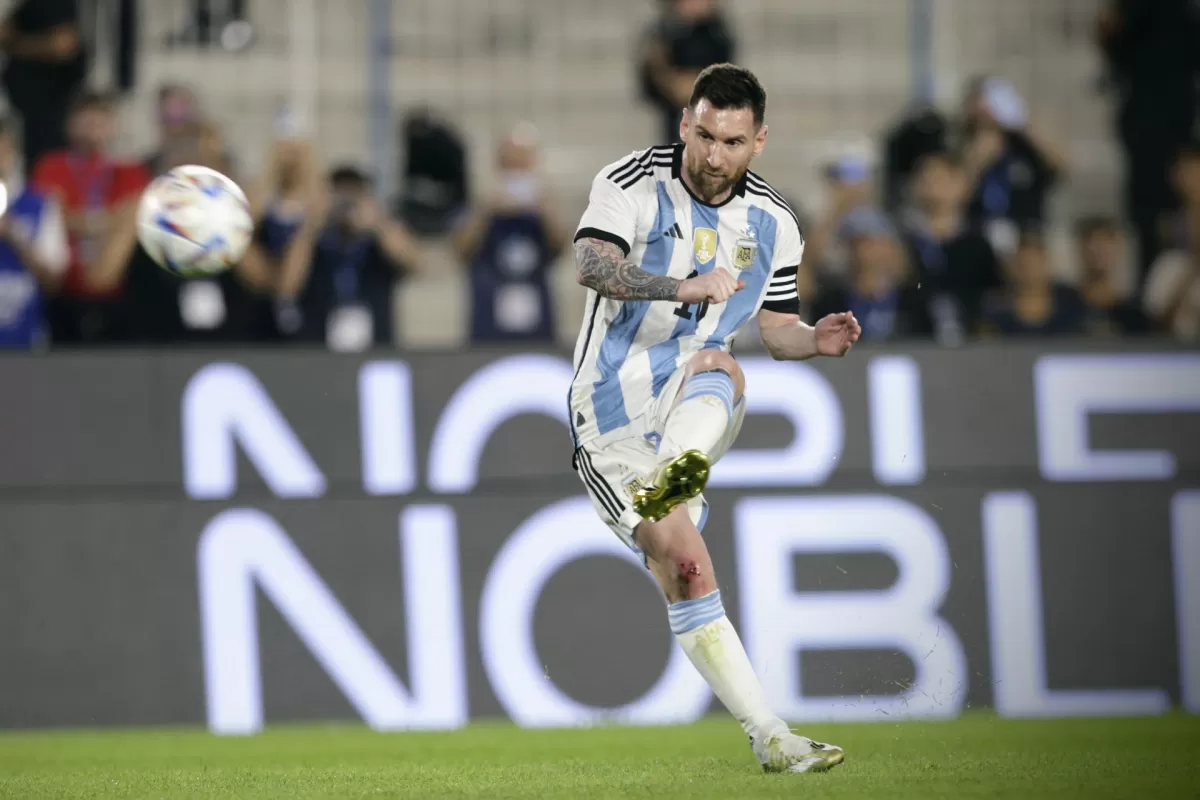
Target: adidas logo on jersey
{"type": "Point", "coordinates": [674, 232]}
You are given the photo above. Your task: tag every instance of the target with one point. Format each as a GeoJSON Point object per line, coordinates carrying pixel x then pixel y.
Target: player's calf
{"type": "Point", "coordinates": [677, 556]}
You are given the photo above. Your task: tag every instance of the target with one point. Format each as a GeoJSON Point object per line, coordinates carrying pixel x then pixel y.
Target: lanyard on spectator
{"type": "Point", "coordinates": [95, 190]}
{"type": "Point", "coordinates": [346, 273]}
{"type": "Point", "coordinates": [95, 193]}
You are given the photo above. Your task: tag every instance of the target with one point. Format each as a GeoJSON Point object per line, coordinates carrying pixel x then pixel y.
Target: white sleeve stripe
{"type": "Point", "coordinates": [781, 295]}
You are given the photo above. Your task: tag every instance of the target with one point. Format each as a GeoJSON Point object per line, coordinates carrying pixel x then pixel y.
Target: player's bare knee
{"type": "Point", "coordinates": [719, 360]}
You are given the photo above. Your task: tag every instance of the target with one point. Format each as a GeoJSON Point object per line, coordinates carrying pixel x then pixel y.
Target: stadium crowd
{"type": "Point", "coordinates": [945, 240]}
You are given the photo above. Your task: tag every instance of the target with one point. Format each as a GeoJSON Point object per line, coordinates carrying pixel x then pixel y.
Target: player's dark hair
{"type": "Point", "coordinates": [727, 86]}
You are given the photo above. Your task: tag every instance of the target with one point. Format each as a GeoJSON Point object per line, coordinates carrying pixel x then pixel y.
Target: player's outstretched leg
{"type": "Point", "coordinates": [679, 560]}
{"type": "Point", "coordinates": [696, 425]}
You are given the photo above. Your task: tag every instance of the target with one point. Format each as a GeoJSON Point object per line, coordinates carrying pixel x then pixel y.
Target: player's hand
{"type": "Point", "coordinates": [711, 287]}
{"type": "Point", "coordinates": [837, 333]}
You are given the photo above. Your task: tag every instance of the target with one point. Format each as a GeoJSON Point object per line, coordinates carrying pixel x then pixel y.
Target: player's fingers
{"type": "Point", "coordinates": [741, 285]}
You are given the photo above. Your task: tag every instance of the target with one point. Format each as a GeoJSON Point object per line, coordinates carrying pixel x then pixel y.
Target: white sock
{"type": "Point", "coordinates": [706, 635]}
{"type": "Point", "coordinates": [704, 412]}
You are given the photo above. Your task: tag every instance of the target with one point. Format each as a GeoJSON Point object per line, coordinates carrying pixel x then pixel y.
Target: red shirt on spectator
{"type": "Point", "coordinates": [86, 183]}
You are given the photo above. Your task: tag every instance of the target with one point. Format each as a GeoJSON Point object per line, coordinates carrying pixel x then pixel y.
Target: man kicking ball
{"type": "Point", "coordinates": [680, 245]}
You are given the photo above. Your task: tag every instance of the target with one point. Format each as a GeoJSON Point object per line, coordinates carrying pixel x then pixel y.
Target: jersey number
{"type": "Point", "coordinates": [685, 311]}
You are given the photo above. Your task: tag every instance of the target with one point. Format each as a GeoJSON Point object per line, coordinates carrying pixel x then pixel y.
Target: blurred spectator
{"type": "Point", "coordinates": [177, 112]}
{"type": "Point", "coordinates": [343, 265]}
{"type": "Point", "coordinates": [1172, 294]}
{"type": "Point", "coordinates": [510, 243]}
{"type": "Point", "coordinates": [876, 288]}
{"type": "Point", "coordinates": [1105, 271]}
{"type": "Point", "coordinates": [1153, 55]}
{"type": "Point", "coordinates": [220, 22]}
{"type": "Point", "coordinates": [915, 136]}
{"type": "Point", "coordinates": [33, 251]}
{"type": "Point", "coordinates": [848, 187]}
{"type": "Point", "coordinates": [688, 36]}
{"type": "Point", "coordinates": [1178, 227]}
{"type": "Point", "coordinates": [93, 189]}
{"type": "Point", "coordinates": [47, 65]}
{"type": "Point", "coordinates": [954, 263]}
{"type": "Point", "coordinates": [1009, 162]}
{"type": "Point", "coordinates": [1033, 304]}
{"type": "Point", "coordinates": [160, 307]}
{"type": "Point", "coordinates": [434, 190]}
{"type": "Point", "coordinates": [289, 191]}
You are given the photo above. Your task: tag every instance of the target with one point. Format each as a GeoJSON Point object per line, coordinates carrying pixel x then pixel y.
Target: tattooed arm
{"type": "Point", "coordinates": [600, 266]}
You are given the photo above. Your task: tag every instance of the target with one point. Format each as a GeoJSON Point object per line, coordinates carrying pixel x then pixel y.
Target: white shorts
{"type": "Point", "coordinates": [612, 472]}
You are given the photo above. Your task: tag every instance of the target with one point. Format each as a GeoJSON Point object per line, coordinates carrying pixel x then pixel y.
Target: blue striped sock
{"type": "Point", "coordinates": [717, 383]}
{"type": "Point", "coordinates": [691, 614]}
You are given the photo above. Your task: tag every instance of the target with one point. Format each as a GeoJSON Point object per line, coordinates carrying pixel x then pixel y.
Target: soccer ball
{"type": "Point", "coordinates": [194, 221]}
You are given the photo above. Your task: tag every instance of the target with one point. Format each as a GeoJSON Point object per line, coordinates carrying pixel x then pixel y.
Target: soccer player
{"type": "Point", "coordinates": [679, 246]}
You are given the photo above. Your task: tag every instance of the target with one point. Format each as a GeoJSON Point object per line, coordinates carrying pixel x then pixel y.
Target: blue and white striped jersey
{"type": "Point", "coordinates": [628, 350]}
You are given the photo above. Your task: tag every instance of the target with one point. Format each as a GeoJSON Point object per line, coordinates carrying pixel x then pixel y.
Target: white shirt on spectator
{"type": "Point", "coordinates": [1174, 273]}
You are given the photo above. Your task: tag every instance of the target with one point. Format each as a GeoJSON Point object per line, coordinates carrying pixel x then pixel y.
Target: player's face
{"type": "Point", "coordinates": [719, 145]}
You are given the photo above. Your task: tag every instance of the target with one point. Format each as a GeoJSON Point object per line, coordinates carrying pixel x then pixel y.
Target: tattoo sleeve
{"type": "Point", "coordinates": [601, 267]}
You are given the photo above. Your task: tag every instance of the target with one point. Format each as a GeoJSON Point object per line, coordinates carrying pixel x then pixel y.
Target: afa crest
{"type": "Point", "coordinates": [704, 244]}
{"type": "Point", "coordinates": [745, 250]}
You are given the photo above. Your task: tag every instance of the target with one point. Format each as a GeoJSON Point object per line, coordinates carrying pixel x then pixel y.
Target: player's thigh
{"type": "Point", "coordinates": [611, 474]}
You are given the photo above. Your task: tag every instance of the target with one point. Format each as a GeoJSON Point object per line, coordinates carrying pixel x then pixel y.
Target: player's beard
{"type": "Point", "coordinates": [710, 185]}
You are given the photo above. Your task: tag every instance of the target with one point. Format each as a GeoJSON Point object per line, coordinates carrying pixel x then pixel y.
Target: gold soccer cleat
{"type": "Point", "coordinates": [788, 752]}
{"type": "Point", "coordinates": [675, 482]}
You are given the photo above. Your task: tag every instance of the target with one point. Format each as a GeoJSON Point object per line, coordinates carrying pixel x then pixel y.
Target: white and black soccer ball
{"type": "Point", "coordinates": [194, 221]}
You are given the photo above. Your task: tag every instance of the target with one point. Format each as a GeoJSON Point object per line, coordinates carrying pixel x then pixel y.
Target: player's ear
{"type": "Point", "coordinates": [760, 139]}
{"type": "Point", "coordinates": [685, 122]}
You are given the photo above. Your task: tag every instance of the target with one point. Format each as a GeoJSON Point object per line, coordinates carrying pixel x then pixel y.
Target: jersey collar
{"type": "Point", "coordinates": [739, 188]}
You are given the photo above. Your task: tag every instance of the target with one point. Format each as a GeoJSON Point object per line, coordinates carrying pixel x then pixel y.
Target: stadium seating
{"type": "Point", "coordinates": [834, 72]}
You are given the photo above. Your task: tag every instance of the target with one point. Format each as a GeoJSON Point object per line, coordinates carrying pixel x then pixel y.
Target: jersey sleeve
{"type": "Point", "coordinates": [611, 215]}
{"type": "Point", "coordinates": [782, 295]}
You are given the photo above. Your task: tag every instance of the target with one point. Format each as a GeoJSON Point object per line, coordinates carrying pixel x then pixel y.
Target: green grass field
{"type": "Point", "coordinates": [977, 756]}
